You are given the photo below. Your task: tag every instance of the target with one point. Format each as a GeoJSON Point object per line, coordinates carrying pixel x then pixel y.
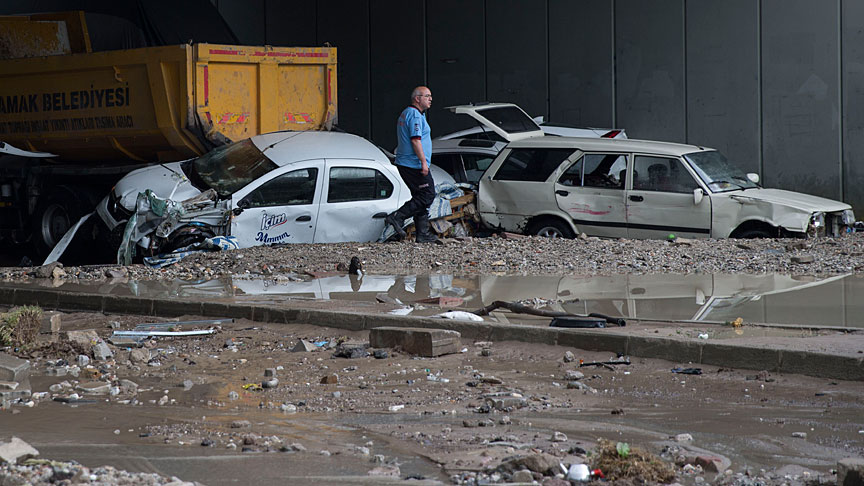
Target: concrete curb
{"type": "Point", "coordinates": [681, 350]}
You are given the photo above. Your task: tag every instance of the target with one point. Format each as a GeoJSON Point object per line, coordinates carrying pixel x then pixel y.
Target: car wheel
{"type": "Point", "coordinates": [550, 228]}
{"type": "Point", "coordinates": [184, 238]}
{"type": "Point", "coordinates": [53, 217]}
{"type": "Point", "coordinates": [754, 233]}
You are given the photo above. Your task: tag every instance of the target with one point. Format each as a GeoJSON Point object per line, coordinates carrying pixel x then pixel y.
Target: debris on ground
{"type": "Point", "coordinates": [621, 461]}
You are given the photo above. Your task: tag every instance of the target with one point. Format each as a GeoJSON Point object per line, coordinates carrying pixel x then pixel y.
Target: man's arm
{"type": "Point", "coordinates": [417, 145]}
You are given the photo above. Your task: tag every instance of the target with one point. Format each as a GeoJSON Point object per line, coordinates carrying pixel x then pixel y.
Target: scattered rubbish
{"type": "Point", "coordinates": [380, 354]}
{"type": "Point", "coordinates": [737, 322]}
{"type": "Point", "coordinates": [74, 400]}
{"type": "Point", "coordinates": [303, 346]}
{"type": "Point", "coordinates": [444, 301]}
{"type": "Point", "coordinates": [350, 351]}
{"type": "Point", "coordinates": [460, 316]}
{"type": "Point", "coordinates": [216, 243]}
{"type": "Point", "coordinates": [687, 371]}
{"type": "Point", "coordinates": [395, 408]}
{"type": "Point", "coordinates": [607, 364]}
{"type": "Point", "coordinates": [404, 311]}
{"type": "Point", "coordinates": [578, 322]}
{"type": "Point", "coordinates": [703, 336]}
{"type": "Point", "coordinates": [170, 326]}
{"type": "Point", "coordinates": [163, 333]}
{"type": "Point", "coordinates": [252, 387]}
{"type": "Point", "coordinates": [578, 472]}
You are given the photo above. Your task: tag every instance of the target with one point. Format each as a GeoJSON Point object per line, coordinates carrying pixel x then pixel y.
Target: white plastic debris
{"type": "Point", "coordinates": [459, 316]}
{"type": "Point", "coordinates": [396, 408]}
{"type": "Point", "coordinates": [578, 472]}
{"type": "Point", "coordinates": [703, 336]}
{"type": "Point", "coordinates": [404, 311]}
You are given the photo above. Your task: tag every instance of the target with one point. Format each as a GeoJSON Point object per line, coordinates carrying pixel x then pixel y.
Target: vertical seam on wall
{"type": "Point", "coordinates": [485, 58]}
{"type": "Point", "coordinates": [548, 70]}
{"type": "Point", "coordinates": [840, 106]}
{"type": "Point", "coordinates": [614, 69]}
{"type": "Point", "coordinates": [759, 89]}
{"type": "Point", "coordinates": [369, 65]}
{"type": "Point", "coordinates": [425, 43]}
{"type": "Point", "coordinates": [684, 71]}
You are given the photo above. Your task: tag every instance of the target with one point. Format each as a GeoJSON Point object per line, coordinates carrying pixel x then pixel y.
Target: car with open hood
{"type": "Point", "coordinates": [466, 154]}
{"type": "Point", "coordinates": [282, 187]}
{"type": "Point", "coordinates": [624, 188]}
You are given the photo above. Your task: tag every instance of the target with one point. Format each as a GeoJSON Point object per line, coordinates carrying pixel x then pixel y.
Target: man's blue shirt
{"type": "Point", "coordinates": [412, 124]}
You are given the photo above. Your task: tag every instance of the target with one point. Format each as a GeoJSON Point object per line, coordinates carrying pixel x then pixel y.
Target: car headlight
{"type": "Point", "coordinates": [848, 217]}
{"type": "Point", "coordinates": [817, 220]}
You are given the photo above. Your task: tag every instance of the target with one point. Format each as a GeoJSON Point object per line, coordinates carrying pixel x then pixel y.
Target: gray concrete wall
{"type": "Point", "coordinates": [777, 85]}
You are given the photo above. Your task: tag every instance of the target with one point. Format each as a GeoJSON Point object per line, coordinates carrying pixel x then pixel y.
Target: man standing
{"type": "Point", "coordinates": [412, 159]}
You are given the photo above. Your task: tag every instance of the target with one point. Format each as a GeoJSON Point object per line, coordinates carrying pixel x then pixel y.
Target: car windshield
{"type": "Point", "coordinates": [717, 173]}
{"type": "Point", "coordinates": [229, 168]}
{"type": "Point", "coordinates": [510, 119]}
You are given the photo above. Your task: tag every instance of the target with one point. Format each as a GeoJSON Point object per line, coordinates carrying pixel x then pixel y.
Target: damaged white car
{"type": "Point", "coordinates": [283, 187]}
{"type": "Point", "coordinates": [560, 187]}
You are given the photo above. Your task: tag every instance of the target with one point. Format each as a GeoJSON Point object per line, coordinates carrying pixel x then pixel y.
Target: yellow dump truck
{"type": "Point", "coordinates": [104, 113]}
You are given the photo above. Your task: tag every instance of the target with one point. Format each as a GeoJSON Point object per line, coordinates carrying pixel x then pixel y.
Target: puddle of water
{"type": "Point", "coordinates": [768, 298]}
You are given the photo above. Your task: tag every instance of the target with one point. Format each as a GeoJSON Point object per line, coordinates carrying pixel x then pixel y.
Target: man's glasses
{"type": "Point", "coordinates": [426, 96]}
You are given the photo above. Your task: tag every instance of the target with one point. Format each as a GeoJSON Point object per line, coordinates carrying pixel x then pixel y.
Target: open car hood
{"type": "Point", "coordinates": [505, 119]}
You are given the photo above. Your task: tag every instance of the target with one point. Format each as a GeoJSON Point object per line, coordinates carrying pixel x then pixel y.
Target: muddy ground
{"type": "Point", "coordinates": [194, 408]}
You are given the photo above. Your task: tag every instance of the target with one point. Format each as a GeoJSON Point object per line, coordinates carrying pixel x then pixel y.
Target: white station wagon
{"type": "Point", "coordinates": [624, 188]}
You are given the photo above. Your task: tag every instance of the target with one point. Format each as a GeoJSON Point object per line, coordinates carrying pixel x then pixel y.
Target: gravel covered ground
{"type": "Point", "coordinates": [511, 256]}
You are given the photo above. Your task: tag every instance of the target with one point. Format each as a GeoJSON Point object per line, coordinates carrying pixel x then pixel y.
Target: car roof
{"type": "Point", "coordinates": [602, 144]}
{"type": "Point", "coordinates": [289, 146]}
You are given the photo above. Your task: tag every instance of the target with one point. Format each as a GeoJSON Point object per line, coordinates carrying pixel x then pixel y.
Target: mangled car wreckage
{"type": "Point", "coordinates": [284, 187]}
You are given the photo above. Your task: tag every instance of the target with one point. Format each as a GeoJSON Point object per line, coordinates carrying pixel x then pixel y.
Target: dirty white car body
{"type": "Point", "coordinates": [283, 187]}
{"type": "Point", "coordinates": [561, 186]}
{"type": "Point", "coordinates": [466, 154]}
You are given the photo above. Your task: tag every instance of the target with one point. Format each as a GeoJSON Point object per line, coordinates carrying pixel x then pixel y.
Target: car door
{"type": "Point", "coordinates": [357, 196]}
{"type": "Point", "coordinates": [518, 187]}
{"type": "Point", "coordinates": [591, 191]}
{"type": "Point", "coordinates": [661, 200]}
{"type": "Point", "coordinates": [281, 207]}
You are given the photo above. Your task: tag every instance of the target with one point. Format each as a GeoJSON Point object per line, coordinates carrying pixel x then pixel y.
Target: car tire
{"type": "Point", "coordinates": [185, 237]}
{"type": "Point", "coordinates": [754, 233]}
{"type": "Point", "coordinates": [54, 215]}
{"type": "Point", "coordinates": [550, 228]}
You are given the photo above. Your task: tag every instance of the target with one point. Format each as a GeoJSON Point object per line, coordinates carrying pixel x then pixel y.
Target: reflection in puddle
{"type": "Point", "coordinates": [767, 298]}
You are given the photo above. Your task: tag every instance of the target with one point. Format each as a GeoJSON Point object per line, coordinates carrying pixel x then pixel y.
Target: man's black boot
{"type": "Point", "coordinates": [424, 233]}
{"type": "Point", "coordinates": [396, 220]}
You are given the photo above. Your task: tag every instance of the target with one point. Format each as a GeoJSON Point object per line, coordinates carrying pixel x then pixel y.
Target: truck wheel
{"type": "Point", "coordinates": [53, 217]}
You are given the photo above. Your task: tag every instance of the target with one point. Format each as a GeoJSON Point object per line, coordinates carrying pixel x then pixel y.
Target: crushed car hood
{"type": "Point", "coordinates": [161, 179]}
{"type": "Point", "coordinates": [797, 200]}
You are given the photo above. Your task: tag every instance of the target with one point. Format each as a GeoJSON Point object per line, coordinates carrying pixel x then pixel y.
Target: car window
{"type": "Point", "coordinates": [229, 168]}
{"type": "Point", "coordinates": [475, 166]}
{"type": "Point", "coordinates": [510, 118]}
{"type": "Point", "coordinates": [661, 174]}
{"type": "Point", "coordinates": [357, 184]}
{"type": "Point", "coordinates": [531, 165]}
{"type": "Point", "coordinates": [451, 163]}
{"type": "Point", "coordinates": [289, 189]}
{"type": "Point", "coordinates": [597, 170]}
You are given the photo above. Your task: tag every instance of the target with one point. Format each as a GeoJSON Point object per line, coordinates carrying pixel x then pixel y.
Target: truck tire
{"type": "Point", "coordinates": [55, 214]}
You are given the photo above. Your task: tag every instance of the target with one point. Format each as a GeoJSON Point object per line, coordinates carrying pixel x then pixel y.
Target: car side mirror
{"type": "Point", "coordinates": [242, 205]}
{"type": "Point", "coordinates": [754, 177]}
{"type": "Point", "coordinates": [698, 194]}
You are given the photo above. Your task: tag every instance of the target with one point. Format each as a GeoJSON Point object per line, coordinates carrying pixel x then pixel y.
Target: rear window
{"type": "Point", "coordinates": [531, 165]}
{"type": "Point", "coordinates": [510, 119]}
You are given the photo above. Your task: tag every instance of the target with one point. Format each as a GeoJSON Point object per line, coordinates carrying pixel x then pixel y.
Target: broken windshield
{"type": "Point", "coordinates": [229, 168]}
{"type": "Point", "coordinates": [717, 172]}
